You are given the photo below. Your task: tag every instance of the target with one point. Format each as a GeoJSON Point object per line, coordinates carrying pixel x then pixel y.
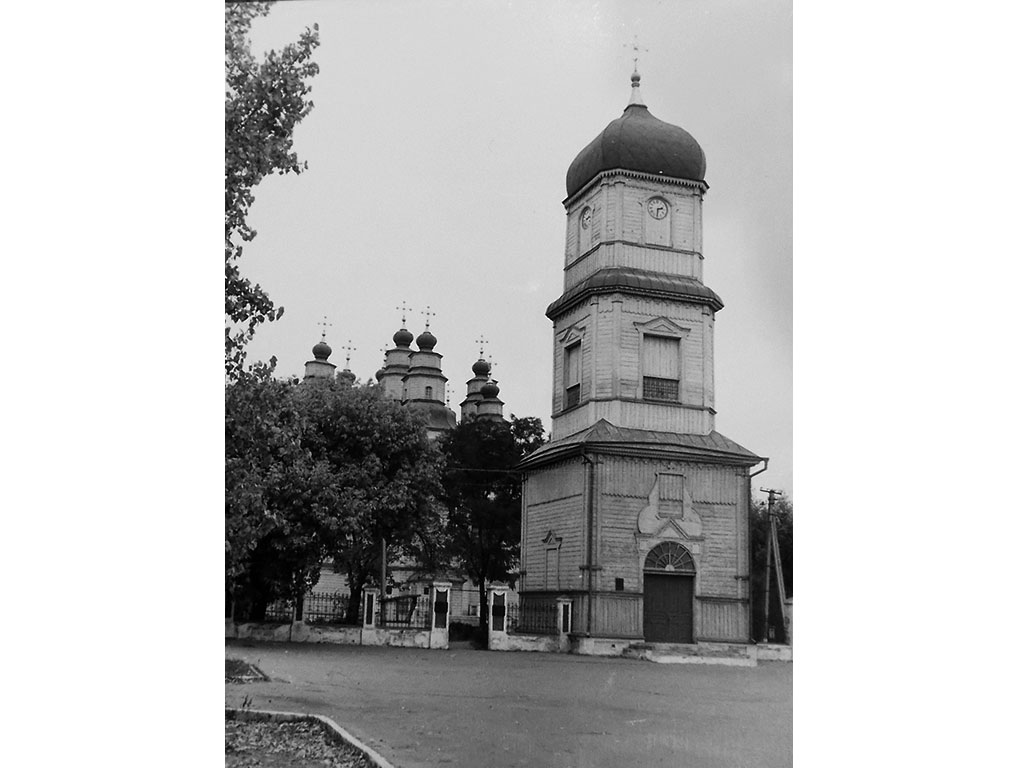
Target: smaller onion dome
{"type": "Point", "coordinates": [481, 367]}
{"type": "Point", "coordinates": [402, 338]}
{"type": "Point", "coordinates": [379, 374]}
{"type": "Point", "coordinates": [490, 389]}
{"type": "Point", "coordinates": [321, 351]}
{"type": "Point", "coordinates": [425, 341]}
{"type": "Point", "coordinates": [347, 376]}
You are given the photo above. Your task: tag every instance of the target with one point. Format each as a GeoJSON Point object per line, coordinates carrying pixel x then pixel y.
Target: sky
{"type": "Point", "coordinates": [437, 151]}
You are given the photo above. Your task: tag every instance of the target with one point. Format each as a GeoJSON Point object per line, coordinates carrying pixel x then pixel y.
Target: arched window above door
{"type": "Point", "coordinates": [671, 557]}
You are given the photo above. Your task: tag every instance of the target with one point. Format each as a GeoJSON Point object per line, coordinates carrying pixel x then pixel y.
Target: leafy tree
{"type": "Point", "coordinates": [760, 533]}
{"type": "Point", "coordinates": [264, 101]}
{"type": "Point", "coordinates": [387, 472]}
{"type": "Point", "coordinates": [315, 471]}
{"type": "Point", "coordinates": [270, 483]}
{"type": "Point", "coordinates": [482, 492]}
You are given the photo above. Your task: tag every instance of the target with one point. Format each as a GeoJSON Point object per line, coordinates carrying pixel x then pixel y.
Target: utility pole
{"type": "Point", "coordinates": [772, 551]}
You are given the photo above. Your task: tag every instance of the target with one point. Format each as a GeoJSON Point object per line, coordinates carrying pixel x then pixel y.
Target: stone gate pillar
{"type": "Point", "coordinates": [440, 606]}
{"type": "Point", "coordinates": [371, 607]}
{"type": "Point", "coordinates": [564, 614]}
{"type": "Point", "coordinates": [497, 617]}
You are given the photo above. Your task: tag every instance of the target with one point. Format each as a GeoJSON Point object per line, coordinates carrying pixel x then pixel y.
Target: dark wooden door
{"type": "Point", "coordinates": [668, 608]}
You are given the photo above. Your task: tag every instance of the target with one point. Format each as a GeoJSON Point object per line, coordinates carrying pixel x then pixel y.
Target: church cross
{"type": "Point", "coordinates": [350, 349]}
{"type": "Point", "coordinates": [481, 341]}
{"type": "Point", "coordinates": [325, 325]}
{"type": "Point", "coordinates": [636, 50]}
{"type": "Point", "coordinates": [403, 308]}
{"type": "Point", "coordinates": [428, 314]}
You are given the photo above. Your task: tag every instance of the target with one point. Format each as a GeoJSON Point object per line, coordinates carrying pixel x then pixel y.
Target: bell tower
{"type": "Point", "coordinates": [637, 509]}
{"type": "Point", "coordinates": [634, 326]}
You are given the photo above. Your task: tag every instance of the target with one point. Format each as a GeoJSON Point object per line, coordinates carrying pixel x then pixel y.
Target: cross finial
{"type": "Point", "coordinates": [481, 341]}
{"type": "Point", "coordinates": [403, 309]}
{"type": "Point", "coordinates": [326, 325]}
{"type": "Point", "coordinates": [349, 349]}
{"type": "Point", "coordinates": [636, 51]}
{"type": "Point", "coordinates": [493, 365]}
{"type": "Point", "coordinates": [428, 314]}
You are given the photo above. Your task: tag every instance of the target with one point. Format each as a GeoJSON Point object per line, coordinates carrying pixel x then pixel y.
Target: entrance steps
{"type": "Point", "coordinates": [726, 654]}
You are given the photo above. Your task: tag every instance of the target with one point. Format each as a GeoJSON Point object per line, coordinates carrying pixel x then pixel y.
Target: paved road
{"type": "Point", "coordinates": [478, 709]}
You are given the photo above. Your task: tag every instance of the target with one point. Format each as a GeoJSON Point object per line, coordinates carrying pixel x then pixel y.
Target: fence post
{"type": "Point", "coordinates": [787, 612]}
{"type": "Point", "coordinates": [440, 608]}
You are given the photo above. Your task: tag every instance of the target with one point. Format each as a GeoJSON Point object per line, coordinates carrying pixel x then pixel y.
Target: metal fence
{"type": "Point", "coordinates": [532, 618]}
{"type": "Point", "coordinates": [318, 608]}
{"type": "Point", "coordinates": [406, 612]}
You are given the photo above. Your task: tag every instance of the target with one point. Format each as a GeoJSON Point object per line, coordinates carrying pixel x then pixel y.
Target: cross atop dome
{"type": "Point", "coordinates": [635, 97]}
{"type": "Point", "coordinates": [326, 325]}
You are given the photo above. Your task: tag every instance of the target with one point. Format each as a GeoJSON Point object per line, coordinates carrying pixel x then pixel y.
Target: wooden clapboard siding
{"type": "Point", "coordinates": [617, 615]}
{"type": "Point", "coordinates": [671, 261]}
{"type": "Point", "coordinates": [721, 620]}
{"type": "Point", "coordinates": [555, 502]}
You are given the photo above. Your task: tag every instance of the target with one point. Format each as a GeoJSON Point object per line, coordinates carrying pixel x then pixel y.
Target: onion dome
{"type": "Point", "coordinates": [638, 141]}
{"type": "Point", "coordinates": [347, 376]}
{"type": "Point", "coordinates": [425, 341]}
{"type": "Point", "coordinates": [321, 351]}
{"type": "Point", "coordinates": [490, 389]}
{"type": "Point", "coordinates": [379, 374]}
{"type": "Point", "coordinates": [402, 337]}
{"type": "Point", "coordinates": [481, 367]}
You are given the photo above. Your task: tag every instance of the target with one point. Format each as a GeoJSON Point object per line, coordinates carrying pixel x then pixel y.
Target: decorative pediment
{"type": "Point", "coordinates": [662, 326]}
{"type": "Point", "coordinates": [572, 334]}
{"type": "Point", "coordinates": [669, 510]}
{"type": "Point", "coordinates": [551, 540]}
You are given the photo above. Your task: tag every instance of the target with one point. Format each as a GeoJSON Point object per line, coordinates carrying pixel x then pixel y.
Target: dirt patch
{"type": "Point", "coordinates": [249, 744]}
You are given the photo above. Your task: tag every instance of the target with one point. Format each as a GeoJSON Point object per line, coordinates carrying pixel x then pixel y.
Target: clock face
{"type": "Point", "coordinates": [585, 218]}
{"type": "Point", "coordinates": [657, 208]}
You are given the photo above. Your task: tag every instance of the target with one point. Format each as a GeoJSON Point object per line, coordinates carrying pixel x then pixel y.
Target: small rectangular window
{"type": "Point", "coordinates": [573, 356]}
{"type": "Point", "coordinates": [620, 585]}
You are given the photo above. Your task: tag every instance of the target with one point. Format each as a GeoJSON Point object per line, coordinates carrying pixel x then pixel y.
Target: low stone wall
{"type": "Point", "coordinates": [774, 652]}
{"type": "Point", "coordinates": [299, 632]}
{"type": "Point", "coordinates": [597, 646]}
{"type": "Point", "coordinates": [501, 641]}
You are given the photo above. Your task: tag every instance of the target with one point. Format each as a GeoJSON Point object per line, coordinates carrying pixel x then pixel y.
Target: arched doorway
{"type": "Point", "coordinates": [669, 574]}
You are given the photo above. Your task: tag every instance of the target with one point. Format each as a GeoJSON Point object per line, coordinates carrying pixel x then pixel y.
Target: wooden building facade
{"type": "Point", "coordinates": [638, 509]}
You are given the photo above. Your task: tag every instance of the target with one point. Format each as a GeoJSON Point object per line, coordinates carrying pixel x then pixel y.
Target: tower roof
{"type": "Point", "coordinates": [638, 141]}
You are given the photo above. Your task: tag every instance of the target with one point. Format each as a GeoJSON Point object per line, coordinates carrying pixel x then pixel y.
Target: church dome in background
{"type": "Point", "coordinates": [638, 141]}
{"type": "Point", "coordinates": [481, 367]}
{"type": "Point", "coordinates": [490, 389]}
{"type": "Point", "coordinates": [425, 341]}
{"type": "Point", "coordinates": [321, 351]}
{"type": "Point", "coordinates": [402, 338]}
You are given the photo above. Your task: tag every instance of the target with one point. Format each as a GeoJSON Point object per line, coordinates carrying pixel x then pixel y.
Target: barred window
{"type": "Point", "coordinates": [661, 389]}
{"type": "Point", "coordinates": [661, 370]}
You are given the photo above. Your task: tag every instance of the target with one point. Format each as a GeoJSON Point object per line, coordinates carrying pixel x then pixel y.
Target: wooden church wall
{"type": "Point", "coordinates": [554, 503]}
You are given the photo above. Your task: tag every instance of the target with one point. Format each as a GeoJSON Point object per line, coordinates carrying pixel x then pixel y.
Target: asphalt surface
{"type": "Point", "coordinates": [477, 709]}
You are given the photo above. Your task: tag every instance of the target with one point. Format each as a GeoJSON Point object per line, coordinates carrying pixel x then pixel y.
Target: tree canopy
{"type": "Point", "coordinates": [264, 101]}
{"type": "Point", "coordinates": [482, 493]}
{"type": "Point", "coordinates": [317, 471]}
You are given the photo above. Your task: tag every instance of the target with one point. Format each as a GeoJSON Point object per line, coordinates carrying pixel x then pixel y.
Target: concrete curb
{"type": "Point", "coordinates": [334, 731]}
